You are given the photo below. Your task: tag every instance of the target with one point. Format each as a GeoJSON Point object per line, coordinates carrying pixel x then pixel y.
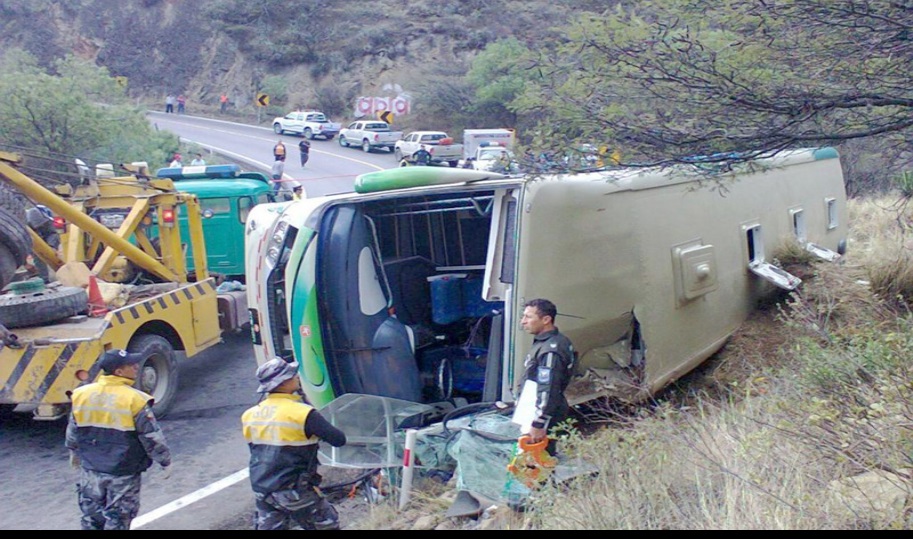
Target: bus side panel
{"type": "Point", "coordinates": [680, 333]}
{"type": "Point", "coordinates": [602, 252]}
{"type": "Point", "coordinates": [577, 247]}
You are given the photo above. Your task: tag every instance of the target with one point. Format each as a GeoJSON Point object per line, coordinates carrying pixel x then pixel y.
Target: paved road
{"type": "Point", "coordinates": [330, 169]}
{"type": "Point", "coordinates": [203, 431]}
{"type": "Point", "coordinates": [216, 386]}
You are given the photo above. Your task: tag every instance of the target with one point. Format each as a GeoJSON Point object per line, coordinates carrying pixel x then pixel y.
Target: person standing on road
{"type": "Point", "coordinates": [182, 103]}
{"type": "Point", "coordinates": [169, 104]}
{"type": "Point", "coordinates": [279, 151]}
{"type": "Point", "coordinates": [550, 365]}
{"type": "Point", "coordinates": [113, 437]}
{"type": "Point", "coordinates": [223, 103]}
{"type": "Point", "coordinates": [422, 157]}
{"type": "Point", "coordinates": [277, 172]}
{"type": "Point", "coordinates": [283, 432]}
{"type": "Point", "coordinates": [304, 147]}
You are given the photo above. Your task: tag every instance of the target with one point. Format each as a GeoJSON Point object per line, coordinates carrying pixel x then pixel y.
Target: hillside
{"type": "Point", "coordinates": [328, 52]}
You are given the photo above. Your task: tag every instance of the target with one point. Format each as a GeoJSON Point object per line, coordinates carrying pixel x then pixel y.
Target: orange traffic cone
{"type": "Point", "coordinates": [97, 306]}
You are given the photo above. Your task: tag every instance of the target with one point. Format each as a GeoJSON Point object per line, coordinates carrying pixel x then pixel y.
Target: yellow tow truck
{"type": "Point", "coordinates": [120, 227]}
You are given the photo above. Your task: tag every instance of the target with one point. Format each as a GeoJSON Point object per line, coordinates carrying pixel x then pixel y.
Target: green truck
{"type": "Point", "coordinates": [226, 196]}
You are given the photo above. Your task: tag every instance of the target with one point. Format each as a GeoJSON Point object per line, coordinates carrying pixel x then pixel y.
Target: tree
{"type": "Point", "coordinates": [499, 77]}
{"type": "Point", "coordinates": [730, 80]}
{"type": "Point", "coordinates": [77, 111]}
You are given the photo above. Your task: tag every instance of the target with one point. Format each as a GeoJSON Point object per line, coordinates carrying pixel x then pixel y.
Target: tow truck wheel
{"type": "Point", "coordinates": [308, 134]}
{"type": "Point", "coordinates": [158, 374]}
{"type": "Point", "coordinates": [42, 307]}
{"type": "Point", "coordinates": [277, 128]}
{"type": "Point", "coordinates": [16, 243]}
{"type": "Point", "coordinates": [8, 266]}
{"type": "Point", "coordinates": [398, 155]}
{"type": "Point", "coordinates": [6, 411]}
{"type": "Point", "coordinates": [343, 142]}
{"type": "Point", "coordinates": [366, 146]}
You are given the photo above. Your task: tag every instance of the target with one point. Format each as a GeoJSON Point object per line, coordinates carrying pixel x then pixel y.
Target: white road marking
{"type": "Point", "coordinates": [194, 497]}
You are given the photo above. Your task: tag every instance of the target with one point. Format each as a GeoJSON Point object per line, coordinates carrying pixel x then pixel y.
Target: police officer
{"type": "Point", "coordinates": [113, 437]}
{"type": "Point", "coordinates": [422, 157]}
{"type": "Point", "coordinates": [283, 432]}
{"type": "Point", "coordinates": [550, 364]}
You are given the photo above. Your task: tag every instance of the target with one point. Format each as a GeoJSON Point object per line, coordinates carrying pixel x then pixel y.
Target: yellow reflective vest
{"type": "Point", "coordinates": [282, 456]}
{"type": "Point", "coordinates": [105, 416]}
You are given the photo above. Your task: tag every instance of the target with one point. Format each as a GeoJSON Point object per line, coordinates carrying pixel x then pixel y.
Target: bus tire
{"type": "Point", "coordinates": [44, 307]}
{"type": "Point", "coordinates": [158, 374]}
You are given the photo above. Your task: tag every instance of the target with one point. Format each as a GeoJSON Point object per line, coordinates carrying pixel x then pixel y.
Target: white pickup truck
{"type": "Point", "coordinates": [438, 144]}
{"type": "Point", "coordinates": [370, 135]}
{"type": "Point", "coordinates": [492, 157]}
{"type": "Point", "coordinates": [308, 123]}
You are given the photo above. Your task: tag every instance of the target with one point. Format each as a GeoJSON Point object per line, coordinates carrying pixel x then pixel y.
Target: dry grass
{"type": "Point", "coordinates": [883, 235]}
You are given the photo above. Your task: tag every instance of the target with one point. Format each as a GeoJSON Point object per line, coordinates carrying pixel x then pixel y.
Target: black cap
{"type": "Point", "coordinates": [115, 359]}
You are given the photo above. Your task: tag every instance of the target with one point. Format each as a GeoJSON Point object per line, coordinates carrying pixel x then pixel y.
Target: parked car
{"type": "Point", "coordinates": [438, 143]}
{"type": "Point", "coordinates": [369, 135]}
{"type": "Point", "coordinates": [308, 123]}
{"type": "Point", "coordinates": [493, 157]}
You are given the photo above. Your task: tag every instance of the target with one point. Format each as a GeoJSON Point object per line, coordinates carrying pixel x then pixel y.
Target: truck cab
{"type": "Point", "coordinates": [226, 196]}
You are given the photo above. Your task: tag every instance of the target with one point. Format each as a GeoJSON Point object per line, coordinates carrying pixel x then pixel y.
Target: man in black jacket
{"type": "Point", "coordinates": [304, 148]}
{"type": "Point", "coordinates": [113, 437]}
{"type": "Point", "coordinates": [550, 364]}
{"type": "Point", "coordinates": [283, 433]}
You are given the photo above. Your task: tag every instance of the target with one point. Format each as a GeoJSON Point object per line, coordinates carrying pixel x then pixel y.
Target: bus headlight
{"type": "Point", "coordinates": [276, 243]}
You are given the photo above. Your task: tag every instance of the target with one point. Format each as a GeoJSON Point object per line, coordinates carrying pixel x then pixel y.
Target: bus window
{"type": "Point", "coordinates": [244, 206]}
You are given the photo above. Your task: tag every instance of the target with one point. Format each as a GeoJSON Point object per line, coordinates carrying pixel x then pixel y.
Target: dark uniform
{"type": "Point", "coordinates": [304, 147]}
{"type": "Point", "coordinates": [283, 432]}
{"type": "Point", "coordinates": [550, 364]}
{"type": "Point", "coordinates": [422, 157]}
{"type": "Point", "coordinates": [116, 437]}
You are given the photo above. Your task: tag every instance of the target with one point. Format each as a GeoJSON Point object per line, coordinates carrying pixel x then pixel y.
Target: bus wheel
{"type": "Point", "coordinates": [158, 375]}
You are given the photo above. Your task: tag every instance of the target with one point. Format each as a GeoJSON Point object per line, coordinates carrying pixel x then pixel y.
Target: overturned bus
{"type": "Point", "coordinates": [413, 286]}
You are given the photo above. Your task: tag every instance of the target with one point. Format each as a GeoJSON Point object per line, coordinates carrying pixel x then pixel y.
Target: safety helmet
{"type": "Point", "coordinates": [274, 372]}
